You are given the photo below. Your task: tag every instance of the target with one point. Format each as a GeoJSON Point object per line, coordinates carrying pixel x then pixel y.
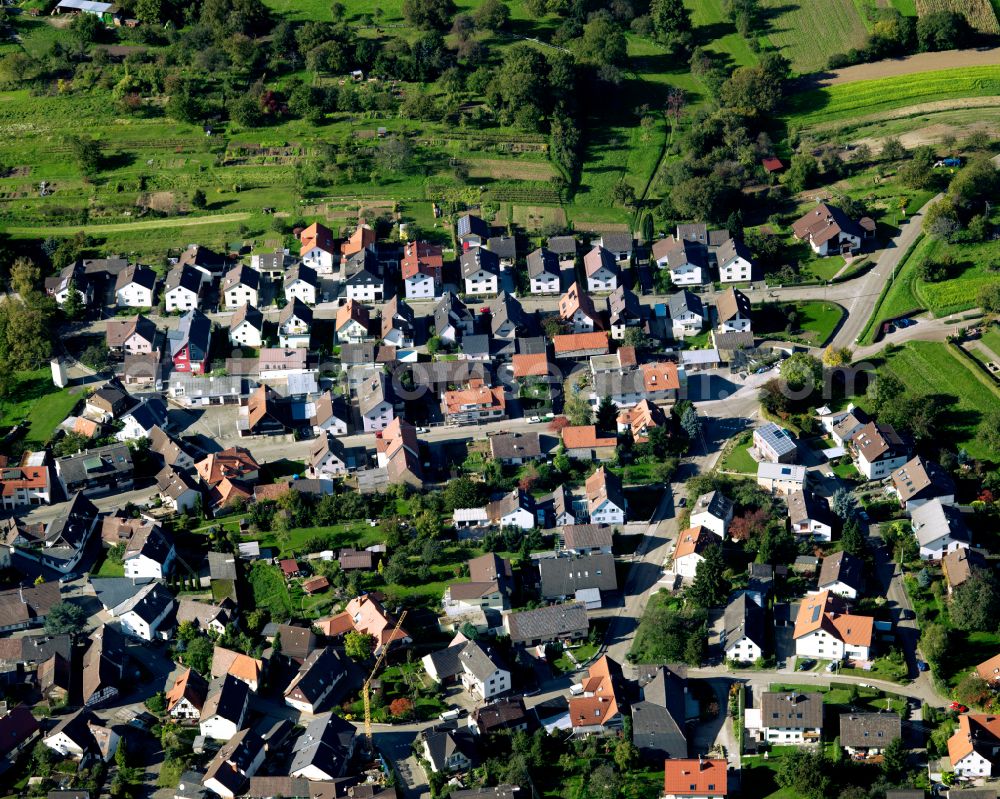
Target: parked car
{"type": "Point", "coordinates": [805, 664]}
{"type": "Point", "coordinates": [682, 502]}
{"type": "Point", "coordinates": [921, 666]}
{"type": "Point", "coordinates": [832, 665]}
{"type": "Point", "coordinates": [957, 706]}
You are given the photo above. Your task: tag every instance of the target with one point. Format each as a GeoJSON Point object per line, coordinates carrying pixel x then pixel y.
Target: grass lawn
{"type": "Point", "coordinates": [35, 398]}
{"type": "Point", "coordinates": [991, 338]}
{"type": "Point", "coordinates": [815, 321]}
{"type": "Point", "coordinates": [845, 471]}
{"type": "Point", "coordinates": [826, 268]}
{"type": "Point", "coordinates": [105, 567]}
{"type": "Point", "coordinates": [871, 97]}
{"type": "Point", "coordinates": [928, 367]}
{"type": "Point", "coordinates": [808, 45]}
{"type": "Point", "coordinates": [738, 459]}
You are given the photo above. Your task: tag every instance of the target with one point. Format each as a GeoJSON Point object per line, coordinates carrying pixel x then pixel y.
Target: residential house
{"type": "Point", "coordinates": [108, 403]}
{"type": "Point", "coordinates": [186, 697]}
{"type": "Point", "coordinates": [939, 529]}
{"type": "Point", "coordinates": [605, 498]}
{"type": "Point", "coordinates": [322, 754]}
{"type": "Point", "coordinates": [135, 286]}
{"type": "Point", "coordinates": [398, 452]}
{"type": "Point", "coordinates": [142, 419]}
{"type": "Point", "coordinates": [480, 271]}
{"type": "Point", "coordinates": [302, 284]}
{"type": "Point", "coordinates": [25, 486]}
{"type": "Point", "coordinates": [576, 346]}
{"type": "Point", "coordinates": [586, 539]}
{"type": "Point", "coordinates": [447, 749]}
{"type": "Point", "coordinates": [547, 625]}
{"type": "Point", "coordinates": [829, 231]}
{"type": "Point", "coordinates": [241, 286]}
{"type": "Point", "coordinates": [775, 444]}
{"type": "Point", "coordinates": [565, 249]}
{"type": "Point", "coordinates": [208, 264]}
{"type": "Point", "coordinates": [364, 281]}
{"type": "Point", "coordinates": [735, 262]}
{"type": "Point", "coordinates": [58, 544]}
{"type": "Point", "coordinates": [235, 763]}
{"type": "Point", "coordinates": [149, 554]}
{"type": "Point", "coordinates": [145, 616]}
{"type": "Point", "coordinates": [989, 670]}
{"type": "Point", "coordinates": [318, 250]}
{"type": "Point", "coordinates": [330, 415]}
{"type": "Point", "coordinates": [294, 324]}
{"type": "Point", "coordinates": [327, 458]}
{"type": "Point", "coordinates": [791, 717]}
{"type": "Point", "coordinates": [959, 565]}
{"type": "Point", "coordinates": [232, 463]}
{"type": "Point", "coordinates": [602, 270]}
{"type": "Point", "coordinates": [687, 314]}
{"type": "Point", "coordinates": [824, 629]}
{"type": "Point", "coordinates": [190, 343]}
{"type": "Point", "coordinates": [781, 478]}
{"type": "Point", "coordinates": [365, 614]}
{"type": "Point", "coordinates": [597, 708]}
{"type": "Point", "coordinates": [271, 265]}
{"type": "Point", "coordinates": [471, 231]}
{"type": "Point", "coordinates": [733, 309]}
{"type": "Point", "coordinates": [471, 664]}
{"type": "Point", "coordinates": [585, 578]}
{"type": "Point", "coordinates": [577, 310]}
{"type": "Point", "coordinates": [475, 404]}
{"type": "Point", "coordinates": [640, 419]}
{"type": "Point", "coordinates": [543, 271]}
{"type": "Point", "coordinates": [374, 403]}
{"type": "Point", "coordinates": [18, 732]}
{"type": "Point", "coordinates": [421, 268]}
{"type": "Point", "coordinates": [132, 336]}
{"type": "Point", "coordinates": [624, 311]}
{"type": "Point", "coordinates": [918, 481]}
{"type": "Point", "coordinates": [506, 317]}
{"type": "Point", "coordinates": [225, 708]}
{"type": "Point", "coordinates": [397, 323]}
{"type": "Point", "coordinates": [319, 673]}
{"type": "Point", "coordinates": [362, 238]}
{"type": "Point", "coordinates": [243, 667]}
{"type": "Point", "coordinates": [713, 511]}
{"type": "Point", "coordinates": [96, 471]}
{"type": "Point", "coordinates": [704, 778]}
{"type": "Point", "coordinates": [505, 248]}
{"type": "Point", "coordinates": [687, 261]}
{"type": "Point", "coordinates": [515, 449]}
{"type": "Point", "coordinates": [514, 509]}
{"type": "Point", "coordinates": [843, 429]}
{"type": "Point", "coordinates": [868, 734]}
{"type": "Point", "coordinates": [353, 323]}
{"type": "Point", "coordinates": [205, 616]}
{"type": "Point", "coordinates": [176, 489]}
{"type": "Point", "coordinates": [583, 443]}
{"type": "Point", "coordinates": [809, 515]}
{"type": "Point", "coordinates": [81, 736]}
{"type": "Point", "coordinates": [452, 319]}
{"type": "Point", "coordinates": [104, 664]}
{"type": "Point", "coordinates": [659, 718]}
{"type": "Point", "coordinates": [842, 573]}
{"type": "Point", "coordinates": [690, 549]}
{"type": "Point", "coordinates": [744, 638]}
{"type": "Point", "coordinates": [974, 746]}
{"type": "Point", "coordinates": [619, 245]}
{"type": "Point", "coordinates": [508, 716]}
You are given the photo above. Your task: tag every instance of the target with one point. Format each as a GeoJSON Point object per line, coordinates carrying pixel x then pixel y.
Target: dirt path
{"type": "Point", "coordinates": [922, 62]}
{"type": "Point", "coordinates": [124, 227]}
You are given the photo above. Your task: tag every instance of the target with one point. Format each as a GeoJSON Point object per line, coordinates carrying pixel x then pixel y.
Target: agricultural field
{"type": "Point", "coordinates": [909, 293]}
{"type": "Point", "coordinates": [797, 32]}
{"type": "Point", "coordinates": [978, 13]}
{"type": "Point", "coordinates": [927, 367]}
{"type": "Point", "coordinates": [871, 97]}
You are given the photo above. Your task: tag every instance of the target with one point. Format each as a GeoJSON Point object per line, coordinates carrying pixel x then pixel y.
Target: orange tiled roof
{"type": "Point", "coordinates": [660, 376]}
{"type": "Point", "coordinates": [694, 540]}
{"type": "Point", "coordinates": [701, 777]}
{"type": "Point", "coordinates": [827, 611]}
{"type": "Point", "coordinates": [570, 342]}
{"type": "Point", "coordinates": [362, 237]}
{"type": "Point", "coordinates": [602, 704]}
{"type": "Point", "coordinates": [989, 670]}
{"type": "Point", "coordinates": [316, 235]}
{"type": "Point", "coordinates": [972, 727]}
{"type": "Point", "coordinates": [536, 365]}
{"type": "Point", "coordinates": [27, 477]}
{"type": "Point", "coordinates": [584, 436]}
{"type": "Point", "coordinates": [481, 396]}
{"type": "Point", "coordinates": [363, 614]}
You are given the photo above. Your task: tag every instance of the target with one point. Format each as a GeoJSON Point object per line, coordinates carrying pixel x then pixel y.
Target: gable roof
{"type": "Point", "coordinates": [600, 258]}
{"type": "Point", "coordinates": [683, 302]}
{"type": "Point", "coordinates": [701, 777]}
{"type": "Point", "coordinates": [869, 730]}
{"type": "Point", "coordinates": [585, 436]}
{"type": "Point", "coordinates": [731, 304]}
{"type": "Point", "coordinates": [587, 536]}
{"type": "Point", "coordinates": [602, 695]}
{"type": "Point", "coordinates": [119, 331]}
{"type": "Point", "coordinates": [920, 479]}
{"type": "Point", "coordinates": [193, 331]}
{"type": "Point", "coordinates": [744, 617]}
{"type": "Point", "coordinates": [316, 235]}
{"type": "Point", "coordinates": [189, 685]}
{"type": "Point", "coordinates": [658, 719]}
{"type": "Point", "coordinates": [604, 486]}
{"type": "Point", "coordinates": [137, 274]}
{"type": "Point", "coordinates": [827, 611]}
{"type": "Point", "coordinates": [694, 541]}
{"type": "Point", "coordinates": [479, 258]}
{"type": "Point", "coordinates": [791, 710]}
{"type": "Point", "coordinates": [564, 576]}
{"type": "Point", "coordinates": [542, 261]}
{"type": "Point", "coordinates": [934, 520]}
{"type": "Point", "coordinates": [842, 567]}
{"type": "Point", "coordinates": [548, 623]}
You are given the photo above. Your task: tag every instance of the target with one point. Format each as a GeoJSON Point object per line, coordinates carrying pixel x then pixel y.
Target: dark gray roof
{"type": "Point", "coordinates": [503, 714]}
{"type": "Point", "coordinates": [352, 354]}
{"type": "Point", "coordinates": [296, 642]}
{"type": "Point", "coordinates": [869, 730]}
{"type": "Point", "coordinates": [744, 617]}
{"type": "Point", "coordinates": [112, 591]}
{"type": "Point", "coordinates": [229, 766]}
{"type": "Point", "coordinates": [504, 308]}
{"type": "Point", "coordinates": [470, 223]}
{"type": "Point", "coordinates": [742, 340]}
{"type": "Point", "coordinates": [476, 345]}
{"type": "Point", "coordinates": [686, 252]}
{"type": "Point", "coordinates": [683, 302]}
{"type": "Point", "coordinates": [617, 242]}
{"type": "Point", "coordinates": [548, 623]}
{"type": "Point", "coordinates": [222, 565]}
{"type": "Point", "coordinates": [730, 250]}
{"type": "Point", "coordinates": [623, 305]}
{"type": "Point", "coordinates": [301, 272]}
{"type": "Point", "coordinates": [73, 525]}
{"type": "Point", "coordinates": [326, 744]}
{"type": "Point", "coordinates": [716, 503]}
{"type": "Point", "coordinates": [563, 245]}
{"type": "Point", "coordinates": [443, 743]}
{"type": "Point", "coordinates": [658, 720]}
{"type": "Point", "coordinates": [477, 258]}
{"type": "Point", "coordinates": [842, 567]}
{"type": "Point", "coordinates": [150, 413]}
{"type": "Point", "coordinates": [321, 668]}
{"type": "Point", "coordinates": [478, 660]}
{"type": "Point", "coordinates": [446, 662]}
{"type": "Point", "coordinates": [194, 331]}
{"type": "Point", "coordinates": [515, 445]}
{"type": "Point", "coordinates": [794, 709]}
{"type": "Point", "coordinates": [564, 576]}
{"type": "Point", "coordinates": [542, 261]}
{"type": "Point", "coordinates": [183, 277]}
{"type": "Point", "coordinates": [503, 246]}
{"type": "Point", "coordinates": [587, 536]}
{"type": "Point", "coordinates": [97, 462]}
{"type": "Point", "coordinates": [298, 309]}
{"type": "Point", "coordinates": [227, 698]}
{"type": "Point", "coordinates": [153, 603]}
{"type": "Point", "coordinates": [450, 310]}
{"type": "Point", "coordinates": [695, 232]}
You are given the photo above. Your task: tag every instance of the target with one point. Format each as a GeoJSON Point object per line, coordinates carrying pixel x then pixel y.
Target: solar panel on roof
{"type": "Point", "coordinates": [816, 613]}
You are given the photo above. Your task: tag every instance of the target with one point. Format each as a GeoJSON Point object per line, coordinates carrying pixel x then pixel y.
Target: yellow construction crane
{"type": "Point", "coordinates": [366, 691]}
